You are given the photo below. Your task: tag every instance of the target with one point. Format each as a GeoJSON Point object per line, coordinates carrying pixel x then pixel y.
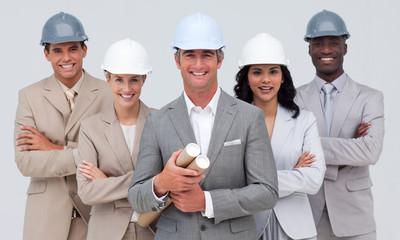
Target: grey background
{"type": "Point", "coordinates": [372, 59]}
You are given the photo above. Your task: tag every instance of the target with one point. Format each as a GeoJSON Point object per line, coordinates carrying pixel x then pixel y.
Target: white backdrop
{"type": "Point", "coordinates": [372, 59]}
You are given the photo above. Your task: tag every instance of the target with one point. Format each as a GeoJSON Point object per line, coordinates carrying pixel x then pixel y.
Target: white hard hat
{"type": "Point", "coordinates": [198, 31]}
{"type": "Point", "coordinates": [263, 49]}
{"type": "Point", "coordinates": [126, 57]}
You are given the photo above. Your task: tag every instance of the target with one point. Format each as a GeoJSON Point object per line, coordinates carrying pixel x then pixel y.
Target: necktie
{"type": "Point", "coordinates": [328, 90]}
{"type": "Point", "coordinates": [70, 93]}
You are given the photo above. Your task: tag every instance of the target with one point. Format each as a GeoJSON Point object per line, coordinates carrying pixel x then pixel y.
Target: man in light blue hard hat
{"type": "Point", "coordinates": [241, 178]}
{"type": "Point", "coordinates": [46, 132]}
{"type": "Point", "coordinates": [351, 124]}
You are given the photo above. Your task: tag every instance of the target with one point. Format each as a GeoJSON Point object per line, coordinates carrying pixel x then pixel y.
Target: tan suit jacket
{"type": "Point", "coordinates": [52, 190]}
{"type": "Point", "coordinates": [102, 142]}
{"type": "Point", "coordinates": [346, 191]}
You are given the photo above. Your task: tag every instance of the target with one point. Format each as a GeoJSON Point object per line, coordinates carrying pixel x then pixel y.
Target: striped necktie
{"type": "Point", "coordinates": [70, 94]}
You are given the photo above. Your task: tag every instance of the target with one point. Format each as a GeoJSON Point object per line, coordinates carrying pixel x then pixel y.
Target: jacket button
{"type": "Point", "coordinates": [202, 228]}
{"type": "Point", "coordinates": [154, 209]}
{"type": "Point", "coordinates": [72, 194]}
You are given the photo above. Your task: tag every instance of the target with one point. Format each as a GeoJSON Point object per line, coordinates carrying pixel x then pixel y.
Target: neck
{"type": "Point", "coordinates": [70, 82]}
{"type": "Point", "coordinates": [201, 98]}
{"type": "Point", "coordinates": [330, 77]}
{"type": "Point", "coordinates": [270, 108]}
{"type": "Point", "coordinates": [127, 115]}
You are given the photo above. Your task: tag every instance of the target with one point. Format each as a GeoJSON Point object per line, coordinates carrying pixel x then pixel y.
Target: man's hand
{"type": "Point", "coordinates": [90, 171]}
{"type": "Point", "coordinates": [192, 200]}
{"type": "Point", "coordinates": [305, 160]}
{"type": "Point", "coordinates": [362, 129]}
{"type": "Point", "coordinates": [35, 141]}
{"type": "Point", "coordinates": [174, 178]}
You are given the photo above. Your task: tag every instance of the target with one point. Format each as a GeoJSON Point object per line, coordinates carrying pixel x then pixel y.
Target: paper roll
{"type": "Point", "coordinates": [191, 151]}
{"type": "Point", "coordinates": [199, 163]}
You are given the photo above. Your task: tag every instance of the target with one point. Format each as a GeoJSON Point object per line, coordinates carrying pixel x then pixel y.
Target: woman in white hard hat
{"type": "Point", "coordinates": [109, 144]}
{"type": "Point", "coordinates": [265, 81]}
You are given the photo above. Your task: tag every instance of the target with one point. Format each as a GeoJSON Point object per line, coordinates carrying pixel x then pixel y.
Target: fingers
{"type": "Point", "coordinates": [30, 128]}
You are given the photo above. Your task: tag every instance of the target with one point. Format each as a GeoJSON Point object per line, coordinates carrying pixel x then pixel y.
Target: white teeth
{"type": "Point", "coordinates": [126, 96]}
{"type": "Point", "coordinates": [67, 66]}
{"type": "Point", "coordinates": [265, 88]}
{"type": "Point", "coordinates": [326, 59]}
{"type": "Point", "coordinates": [199, 74]}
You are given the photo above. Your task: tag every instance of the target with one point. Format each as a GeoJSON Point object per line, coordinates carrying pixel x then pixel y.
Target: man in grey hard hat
{"type": "Point", "coordinates": [46, 132]}
{"type": "Point", "coordinates": [241, 179]}
{"type": "Point", "coordinates": [351, 124]}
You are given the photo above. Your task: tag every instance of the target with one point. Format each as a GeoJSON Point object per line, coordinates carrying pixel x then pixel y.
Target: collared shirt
{"type": "Point", "coordinates": [339, 84]}
{"type": "Point", "coordinates": [202, 121]}
{"type": "Point", "coordinates": [76, 87]}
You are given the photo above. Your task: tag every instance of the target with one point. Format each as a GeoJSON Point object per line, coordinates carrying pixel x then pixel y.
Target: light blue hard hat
{"type": "Point", "coordinates": [62, 27]}
{"type": "Point", "coordinates": [326, 23]}
{"type": "Point", "coordinates": [198, 31]}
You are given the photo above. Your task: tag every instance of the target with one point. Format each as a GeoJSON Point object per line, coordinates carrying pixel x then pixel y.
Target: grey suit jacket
{"type": "Point", "coordinates": [102, 142]}
{"type": "Point", "coordinates": [291, 138]}
{"type": "Point", "coordinates": [52, 190]}
{"type": "Point", "coordinates": [241, 178]}
{"type": "Point", "coordinates": [347, 190]}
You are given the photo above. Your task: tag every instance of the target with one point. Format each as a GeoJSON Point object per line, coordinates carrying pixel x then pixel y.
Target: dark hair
{"type": "Point", "coordinates": [286, 93]}
{"type": "Point", "coordinates": [47, 46]}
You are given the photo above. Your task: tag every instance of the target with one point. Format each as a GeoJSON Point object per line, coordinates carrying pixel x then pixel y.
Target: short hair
{"type": "Point", "coordinates": [286, 92]}
{"type": "Point", "coordinates": [47, 46]}
{"type": "Point", "coordinates": [220, 54]}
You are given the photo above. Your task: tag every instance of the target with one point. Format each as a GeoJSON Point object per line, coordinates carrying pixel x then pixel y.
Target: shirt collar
{"type": "Point", "coordinates": [338, 82]}
{"type": "Point", "coordinates": [77, 85]}
{"type": "Point", "coordinates": [212, 104]}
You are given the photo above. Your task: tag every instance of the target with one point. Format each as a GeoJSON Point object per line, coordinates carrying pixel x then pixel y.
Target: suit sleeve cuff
{"type": "Point", "coordinates": [209, 212]}
{"type": "Point", "coordinates": [161, 201]}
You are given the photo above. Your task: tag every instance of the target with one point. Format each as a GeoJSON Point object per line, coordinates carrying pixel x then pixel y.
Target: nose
{"type": "Point", "coordinates": [326, 48]}
{"type": "Point", "coordinates": [265, 79]}
{"type": "Point", "coordinates": [66, 56]}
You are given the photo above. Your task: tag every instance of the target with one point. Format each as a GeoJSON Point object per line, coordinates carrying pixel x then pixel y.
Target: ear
{"type": "Point", "coordinates": [220, 63]}
{"type": "Point", "coordinates": [345, 49]}
{"type": "Point", "coordinates": [84, 51]}
{"type": "Point", "coordinates": [144, 79]}
{"type": "Point", "coordinates": [178, 65]}
{"type": "Point", "coordinates": [46, 54]}
{"type": "Point", "coordinates": [309, 49]}
{"type": "Point", "coordinates": [108, 77]}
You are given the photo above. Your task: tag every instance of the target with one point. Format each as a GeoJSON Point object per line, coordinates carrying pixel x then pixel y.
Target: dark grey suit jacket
{"type": "Point", "coordinates": [241, 178]}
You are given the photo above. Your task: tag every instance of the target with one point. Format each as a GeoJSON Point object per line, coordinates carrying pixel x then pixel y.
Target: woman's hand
{"type": "Point", "coordinates": [305, 160]}
{"type": "Point", "coordinates": [90, 171]}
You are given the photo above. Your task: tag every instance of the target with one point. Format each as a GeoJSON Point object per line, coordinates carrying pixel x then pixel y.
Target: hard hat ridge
{"type": "Point", "coordinates": [63, 27]}
{"type": "Point", "coordinates": [263, 49]}
{"type": "Point", "coordinates": [198, 31]}
{"type": "Point", "coordinates": [126, 57]}
{"type": "Point", "coordinates": [326, 23]}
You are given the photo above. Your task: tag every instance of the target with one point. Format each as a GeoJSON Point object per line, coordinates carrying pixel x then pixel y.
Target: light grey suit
{"type": "Point", "coordinates": [241, 178]}
{"type": "Point", "coordinates": [291, 138]}
{"type": "Point", "coordinates": [102, 142]}
{"type": "Point", "coordinates": [52, 193]}
{"type": "Point", "coordinates": [347, 190]}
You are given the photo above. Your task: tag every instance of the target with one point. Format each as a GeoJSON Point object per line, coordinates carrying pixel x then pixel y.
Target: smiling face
{"type": "Point", "coordinates": [265, 81]}
{"type": "Point", "coordinates": [126, 88]}
{"type": "Point", "coordinates": [66, 60]}
{"type": "Point", "coordinates": [199, 69]}
{"type": "Point", "coordinates": [327, 56]}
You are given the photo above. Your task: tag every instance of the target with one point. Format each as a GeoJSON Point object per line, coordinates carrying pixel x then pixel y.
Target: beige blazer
{"type": "Point", "coordinates": [346, 191]}
{"type": "Point", "coordinates": [102, 142]}
{"type": "Point", "coordinates": [52, 190]}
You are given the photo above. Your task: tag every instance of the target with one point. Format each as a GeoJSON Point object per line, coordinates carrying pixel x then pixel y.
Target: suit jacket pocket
{"type": "Point", "coordinates": [167, 224]}
{"type": "Point", "coordinates": [242, 224]}
{"type": "Point", "coordinates": [123, 203]}
{"type": "Point", "coordinates": [37, 186]}
{"type": "Point", "coordinates": [102, 208]}
{"type": "Point", "coordinates": [359, 184]}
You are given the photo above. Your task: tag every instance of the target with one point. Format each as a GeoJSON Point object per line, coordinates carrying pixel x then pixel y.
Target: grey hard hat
{"type": "Point", "coordinates": [326, 23]}
{"type": "Point", "coordinates": [62, 27]}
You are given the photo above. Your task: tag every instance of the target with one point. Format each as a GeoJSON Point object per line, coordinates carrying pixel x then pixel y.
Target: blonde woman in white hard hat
{"type": "Point", "coordinates": [109, 144]}
{"type": "Point", "coordinates": [265, 81]}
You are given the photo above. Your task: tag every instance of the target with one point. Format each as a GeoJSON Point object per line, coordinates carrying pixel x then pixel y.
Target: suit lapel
{"type": "Point", "coordinates": [312, 101]}
{"type": "Point", "coordinates": [180, 120]}
{"type": "Point", "coordinates": [343, 106]}
{"type": "Point", "coordinates": [87, 94]}
{"type": "Point", "coordinates": [55, 95]}
{"type": "Point", "coordinates": [282, 128]}
{"type": "Point", "coordinates": [226, 112]}
{"type": "Point", "coordinates": [116, 139]}
{"type": "Point", "coordinates": [139, 129]}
